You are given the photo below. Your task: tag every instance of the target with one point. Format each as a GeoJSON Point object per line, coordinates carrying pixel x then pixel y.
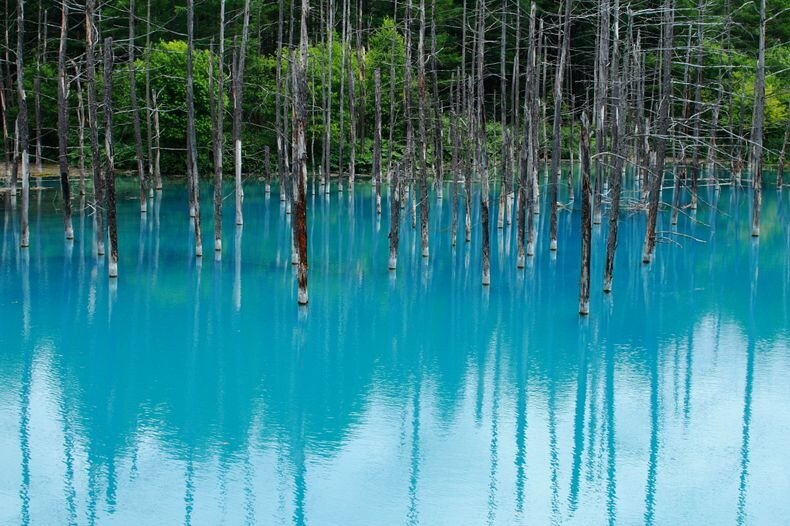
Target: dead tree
{"type": "Point", "coordinates": [216, 106]}
{"type": "Point", "coordinates": [780, 167]}
{"type": "Point", "coordinates": [586, 226]}
{"type": "Point", "coordinates": [41, 55]}
{"type": "Point", "coordinates": [352, 122]}
{"type": "Point", "coordinates": [91, 34]}
{"type": "Point", "coordinates": [438, 143]}
{"type": "Point", "coordinates": [157, 149]}
{"type": "Point", "coordinates": [23, 131]}
{"type": "Point", "coordinates": [423, 181]}
{"type": "Point", "coordinates": [481, 144]}
{"type": "Point", "coordinates": [194, 183]}
{"type": "Point", "coordinates": [618, 153]}
{"type": "Point", "coordinates": [300, 157]}
{"type": "Point", "coordinates": [238, 83]}
{"type": "Point", "coordinates": [503, 113]}
{"type": "Point", "coordinates": [454, 168]}
{"type": "Point", "coordinates": [280, 136]}
{"type": "Point", "coordinates": [149, 175]}
{"type": "Point", "coordinates": [556, 151]}
{"type": "Point", "coordinates": [109, 161]}
{"type": "Point", "coordinates": [600, 96]}
{"type": "Point", "coordinates": [138, 138]}
{"type": "Point", "coordinates": [665, 100]}
{"type": "Point", "coordinates": [408, 157]}
{"type": "Point", "coordinates": [267, 174]}
{"type": "Point", "coordinates": [80, 132]}
{"type": "Point", "coordinates": [697, 109]}
{"type": "Point", "coordinates": [377, 140]}
{"type": "Point", "coordinates": [394, 217]}
{"type": "Point", "coordinates": [757, 128]}
{"type": "Point", "coordinates": [63, 124]}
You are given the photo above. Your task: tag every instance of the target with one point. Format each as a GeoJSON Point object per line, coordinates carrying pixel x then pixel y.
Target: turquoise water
{"type": "Point", "coordinates": [198, 392]}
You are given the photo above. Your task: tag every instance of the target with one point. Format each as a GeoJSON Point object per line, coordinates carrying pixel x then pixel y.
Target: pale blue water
{"type": "Point", "coordinates": [197, 392]}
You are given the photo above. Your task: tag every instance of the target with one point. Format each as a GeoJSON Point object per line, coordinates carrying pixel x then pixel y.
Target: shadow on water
{"type": "Point", "coordinates": [196, 391]}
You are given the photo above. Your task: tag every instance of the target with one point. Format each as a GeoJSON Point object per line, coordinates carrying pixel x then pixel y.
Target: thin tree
{"type": "Point", "coordinates": [394, 217]}
{"type": "Point", "coordinates": [192, 166]}
{"type": "Point", "coordinates": [63, 124]}
{"type": "Point", "coordinates": [423, 182]}
{"type": "Point", "coordinates": [300, 157]}
{"type": "Point", "coordinates": [757, 127]}
{"type": "Point", "coordinates": [586, 226]}
{"type": "Point", "coordinates": [216, 107]}
{"type": "Point", "coordinates": [238, 84]}
{"type": "Point", "coordinates": [377, 140]}
{"type": "Point", "coordinates": [109, 161]}
{"type": "Point", "coordinates": [438, 148]}
{"type": "Point", "coordinates": [41, 55]}
{"type": "Point", "coordinates": [504, 154]}
{"type": "Point", "coordinates": [780, 166]}
{"type": "Point", "coordinates": [22, 132]}
{"type": "Point", "coordinates": [138, 138]}
{"type": "Point", "coordinates": [665, 99]}
{"type": "Point", "coordinates": [481, 144]}
{"type": "Point", "coordinates": [91, 34]}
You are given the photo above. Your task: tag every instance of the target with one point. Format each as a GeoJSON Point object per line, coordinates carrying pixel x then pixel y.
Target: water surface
{"type": "Point", "coordinates": [198, 392]}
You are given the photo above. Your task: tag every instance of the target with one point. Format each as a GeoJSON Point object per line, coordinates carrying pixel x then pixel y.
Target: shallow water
{"type": "Point", "coordinates": [198, 392]}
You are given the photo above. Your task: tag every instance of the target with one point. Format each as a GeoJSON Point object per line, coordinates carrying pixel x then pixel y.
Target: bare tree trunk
{"type": "Point", "coordinates": [40, 56]}
{"type": "Point", "coordinates": [377, 141]}
{"type": "Point", "coordinates": [455, 101]}
{"type": "Point", "coordinates": [63, 124]}
{"type": "Point", "coordinates": [757, 129]}
{"type": "Point", "coordinates": [394, 217]}
{"type": "Point", "coordinates": [346, 40]}
{"type": "Point", "coordinates": [238, 80]}
{"type": "Point", "coordinates": [663, 126]}
{"type": "Point", "coordinates": [23, 132]}
{"type": "Point", "coordinates": [481, 144]}
{"type": "Point", "coordinates": [93, 123]}
{"type": "Point", "coordinates": [531, 132]}
{"type": "Point", "coordinates": [352, 121]}
{"type": "Point", "coordinates": [157, 150]}
{"type": "Point", "coordinates": [618, 123]}
{"type": "Point", "coordinates": [149, 175]}
{"type": "Point", "coordinates": [216, 144]}
{"type": "Point", "coordinates": [408, 160]}
{"type": "Point", "coordinates": [471, 139]}
{"type": "Point", "coordinates": [280, 136]}
{"type": "Point", "coordinates": [300, 158]}
{"type": "Point", "coordinates": [601, 93]}
{"type": "Point", "coordinates": [500, 224]}
{"type": "Point", "coordinates": [80, 133]}
{"type": "Point", "coordinates": [556, 150]}
{"type": "Point", "coordinates": [267, 173]}
{"type": "Point", "coordinates": [109, 166]}
{"type": "Point", "coordinates": [219, 133]}
{"type": "Point", "coordinates": [586, 226]}
{"type": "Point", "coordinates": [780, 168]}
{"type": "Point", "coordinates": [138, 138]}
{"type": "Point", "coordinates": [391, 146]}
{"type": "Point", "coordinates": [4, 118]}
{"type": "Point", "coordinates": [438, 143]}
{"type": "Point", "coordinates": [423, 194]}
{"type": "Point", "coordinates": [191, 134]}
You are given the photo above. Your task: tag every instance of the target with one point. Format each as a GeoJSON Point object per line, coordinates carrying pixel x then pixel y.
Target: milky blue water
{"type": "Point", "coordinates": [197, 392]}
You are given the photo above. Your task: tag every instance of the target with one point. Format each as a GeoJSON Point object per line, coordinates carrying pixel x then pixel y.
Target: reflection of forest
{"type": "Point", "coordinates": [208, 369]}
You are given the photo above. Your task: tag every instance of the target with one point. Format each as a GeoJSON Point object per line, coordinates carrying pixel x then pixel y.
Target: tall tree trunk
{"type": "Point", "coordinates": [423, 194]}
{"type": "Point", "coordinates": [503, 118]}
{"type": "Point", "coordinates": [191, 134]}
{"type": "Point", "coordinates": [109, 161]}
{"type": "Point", "coordinates": [391, 124]}
{"type": "Point", "coordinates": [780, 168]}
{"type": "Point", "coordinates": [377, 140]}
{"type": "Point", "coordinates": [80, 132]}
{"type": "Point", "coordinates": [216, 145]}
{"type": "Point", "coordinates": [41, 55]}
{"type": "Point", "coordinates": [219, 132]}
{"type": "Point", "coordinates": [149, 175]}
{"type": "Point", "coordinates": [238, 79]}
{"type": "Point", "coordinates": [618, 123]}
{"type": "Point", "coordinates": [63, 124]}
{"type": "Point", "coordinates": [138, 138]}
{"type": "Point", "coordinates": [91, 34]}
{"type": "Point", "coordinates": [586, 226]}
{"type": "Point", "coordinates": [345, 40]}
{"type": "Point", "coordinates": [481, 144]}
{"type": "Point", "coordinates": [663, 126]}
{"type": "Point", "coordinates": [23, 132]}
{"type": "Point", "coordinates": [300, 158]}
{"type": "Point", "coordinates": [455, 103]}
{"type": "Point", "coordinates": [601, 94]}
{"type": "Point", "coordinates": [757, 128]}
{"type": "Point", "coordinates": [408, 157]}
{"type": "Point", "coordinates": [352, 121]}
{"type": "Point", "coordinates": [280, 136]}
{"type": "Point", "coordinates": [157, 149]}
{"type": "Point", "coordinates": [556, 148]}
{"type": "Point", "coordinates": [438, 148]}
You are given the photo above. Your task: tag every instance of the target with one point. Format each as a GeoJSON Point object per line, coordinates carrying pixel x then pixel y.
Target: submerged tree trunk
{"type": "Point", "coordinates": [109, 166]}
{"type": "Point", "coordinates": [556, 151]}
{"type": "Point", "coordinates": [41, 55]}
{"type": "Point", "coordinates": [63, 124]}
{"type": "Point", "coordinates": [377, 140]}
{"type": "Point", "coordinates": [586, 226]}
{"type": "Point", "coordinates": [194, 193]}
{"type": "Point", "coordinates": [663, 126]}
{"type": "Point", "coordinates": [394, 217]}
{"type": "Point", "coordinates": [618, 121]}
{"type": "Point", "coordinates": [80, 133]}
{"type": "Point", "coordinates": [93, 124]}
{"type": "Point", "coordinates": [423, 194]}
{"type": "Point", "coordinates": [280, 136]}
{"type": "Point", "coordinates": [601, 94]}
{"type": "Point", "coordinates": [23, 132]}
{"type": "Point", "coordinates": [138, 138]}
{"type": "Point", "coordinates": [780, 168]}
{"type": "Point", "coordinates": [216, 96]}
{"type": "Point", "coordinates": [157, 149]}
{"type": "Point", "coordinates": [300, 158]}
{"type": "Point", "coordinates": [757, 129]}
{"type": "Point", "coordinates": [438, 148]}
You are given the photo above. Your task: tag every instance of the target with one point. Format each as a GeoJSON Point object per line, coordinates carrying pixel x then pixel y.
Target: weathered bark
{"type": "Point", "coordinates": [556, 151]}
{"type": "Point", "coordinates": [238, 81]}
{"type": "Point", "coordinates": [216, 96]}
{"type": "Point", "coordinates": [345, 40]}
{"type": "Point", "coordinates": [280, 136]}
{"type": "Point", "coordinates": [481, 145]}
{"type": "Point", "coordinates": [780, 168]}
{"type": "Point", "coordinates": [394, 217]}
{"type": "Point", "coordinates": [63, 124]}
{"type": "Point", "coordinates": [471, 139]}
{"type": "Point", "coordinates": [149, 175]}
{"type": "Point", "coordinates": [267, 174]}
{"type": "Point", "coordinates": [757, 128]}
{"type": "Point", "coordinates": [300, 158]}
{"type": "Point", "coordinates": [531, 120]}
{"type": "Point", "coordinates": [377, 140]}
{"type": "Point", "coordinates": [93, 123]}
{"type": "Point", "coordinates": [601, 94]}
{"type": "Point", "coordinates": [157, 149]}
{"type": "Point", "coordinates": [408, 156]}
{"type": "Point", "coordinates": [352, 121]}
{"type": "Point", "coordinates": [663, 126]}
{"type": "Point", "coordinates": [586, 226]}
{"type": "Point", "coordinates": [391, 124]}
{"type": "Point", "coordinates": [4, 119]}
{"type": "Point", "coordinates": [41, 55]}
{"type": "Point", "coordinates": [500, 224]}
{"type": "Point", "coordinates": [191, 134]}
{"type": "Point", "coordinates": [454, 169]}
{"type": "Point", "coordinates": [23, 132]}
{"type": "Point", "coordinates": [109, 160]}
{"type": "Point", "coordinates": [80, 133]}
{"type": "Point", "coordinates": [698, 110]}
{"type": "Point", "coordinates": [618, 123]}
{"type": "Point", "coordinates": [138, 138]}
{"type": "Point", "coordinates": [438, 143]}
{"type": "Point", "coordinates": [424, 202]}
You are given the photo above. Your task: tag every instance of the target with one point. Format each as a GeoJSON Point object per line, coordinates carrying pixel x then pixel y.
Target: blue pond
{"type": "Point", "coordinates": [197, 392]}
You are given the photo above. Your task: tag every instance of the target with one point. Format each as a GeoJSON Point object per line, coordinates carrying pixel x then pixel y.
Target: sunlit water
{"type": "Point", "coordinates": [198, 392]}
